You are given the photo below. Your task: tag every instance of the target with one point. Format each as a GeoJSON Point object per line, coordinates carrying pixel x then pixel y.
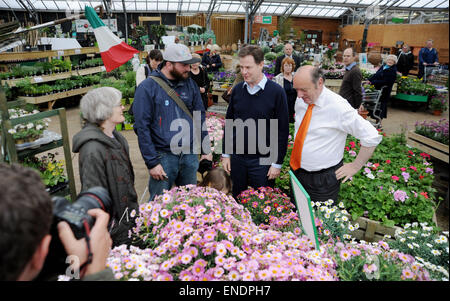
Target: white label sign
{"type": "Point", "coordinates": [38, 79]}
{"type": "Point", "coordinates": [82, 25]}
{"type": "Point", "coordinates": [60, 52]}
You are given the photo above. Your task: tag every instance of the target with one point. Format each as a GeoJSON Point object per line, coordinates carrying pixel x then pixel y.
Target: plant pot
{"type": "Point", "coordinates": [437, 112]}
{"type": "Point", "coordinates": [363, 114]}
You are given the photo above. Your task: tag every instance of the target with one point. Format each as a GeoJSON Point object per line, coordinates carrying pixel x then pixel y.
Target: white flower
{"type": "Point", "coordinates": [410, 246]}
{"type": "Point", "coordinates": [436, 252]}
{"type": "Point", "coordinates": [336, 219]}
{"type": "Point", "coordinates": [414, 232]}
{"type": "Point", "coordinates": [39, 127]}
{"type": "Point", "coordinates": [341, 205]}
{"type": "Point", "coordinates": [411, 237]}
{"type": "Point", "coordinates": [347, 236]}
{"type": "Point", "coordinates": [370, 176]}
{"type": "Point", "coordinates": [356, 226]}
{"type": "Point", "coordinates": [429, 245]}
{"type": "Point", "coordinates": [12, 131]}
{"type": "Point", "coordinates": [351, 228]}
{"type": "Point", "coordinates": [415, 224]}
{"type": "Point", "coordinates": [387, 236]}
{"type": "Point", "coordinates": [30, 125]}
{"type": "Point", "coordinates": [344, 218]}
{"type": "Point", "coordinates": [327, 215]}
{"type": "Point", "coordinates": [407, 226]}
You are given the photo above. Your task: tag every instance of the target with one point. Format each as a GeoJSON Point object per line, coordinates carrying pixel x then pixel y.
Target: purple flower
{"type": "Point", "coordinates": [405, 176]}
{"type": "Point", "coordinates": [429, 170]}
{"type": "Point", "coordinates": [400, 195]}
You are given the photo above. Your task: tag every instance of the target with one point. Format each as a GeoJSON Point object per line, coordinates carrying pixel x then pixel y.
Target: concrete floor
{"type": "Point", "coordinates": [400, 117]}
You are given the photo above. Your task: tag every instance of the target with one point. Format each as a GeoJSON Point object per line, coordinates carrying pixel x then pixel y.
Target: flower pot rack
{"type": "Point", "coordinates": [9, 152]}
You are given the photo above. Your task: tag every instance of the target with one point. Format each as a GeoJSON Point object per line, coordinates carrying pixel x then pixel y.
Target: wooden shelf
{"type": "Point", "coordinates": [46, 147]}
{"type": "Point", "coordinates": [52, 98]}
{"type": "Point", "coordinates": [55, 76]}
{"type": "Point", "coordinates": [35, 55]}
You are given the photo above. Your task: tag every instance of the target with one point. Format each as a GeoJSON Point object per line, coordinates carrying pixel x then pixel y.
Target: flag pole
{"type": "Point", "coordinates": [51, 23]}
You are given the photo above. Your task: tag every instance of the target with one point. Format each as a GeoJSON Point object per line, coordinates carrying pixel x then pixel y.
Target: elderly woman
{"type": "Point", "coordinates": [285, 79]}
{"type": "Point", "coordinates": [211, 60]}
{"type": "Point", "coordinates": [104, 158]}
{"type": "Point", "coordinates": [385, 77]}
{"type": "Point", "coordinates": [200, 77]}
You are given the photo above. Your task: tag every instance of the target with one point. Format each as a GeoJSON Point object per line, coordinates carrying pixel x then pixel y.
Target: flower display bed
{"type": "Point", "coordinates": [395, 186]}
{"type": "Point", "coordinates": [432, 147]}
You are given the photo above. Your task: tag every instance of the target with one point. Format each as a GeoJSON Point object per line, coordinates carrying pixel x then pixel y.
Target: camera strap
{"type": "Point", "coordinates": [88, 243]}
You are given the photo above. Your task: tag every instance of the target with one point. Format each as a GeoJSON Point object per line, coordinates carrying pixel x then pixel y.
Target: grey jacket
{"type": "Point", "coordinates": [105, 161]}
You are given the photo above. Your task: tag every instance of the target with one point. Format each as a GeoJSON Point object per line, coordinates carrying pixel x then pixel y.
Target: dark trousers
{"type": "Point", "coordinates": [321, 185]}
{"type": "Point", "coordinates": [248, 172]}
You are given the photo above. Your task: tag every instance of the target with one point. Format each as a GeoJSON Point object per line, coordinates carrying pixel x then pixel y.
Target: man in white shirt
{"type": "Point", "coordinates": [317, 158]}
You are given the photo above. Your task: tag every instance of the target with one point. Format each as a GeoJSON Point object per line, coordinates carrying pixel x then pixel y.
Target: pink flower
{"type": "Point", "coordinates": [413, 168]}
{"type": "Point", "coordinates": [406, 273]}
{"type": "Point", "coordinates": [197, 269]}
{"type": "Point", "coordinates": [388, 161]}
{"type": "Point", "coordinates": [403, 169]}
{"type": "Point", "coordinates": [395, 178]}
{"type": "Point", "coordinates": [345, 255]}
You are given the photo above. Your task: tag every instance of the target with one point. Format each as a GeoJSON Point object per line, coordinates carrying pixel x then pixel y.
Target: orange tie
{"type": "Point", "coordinates": [296, 156]}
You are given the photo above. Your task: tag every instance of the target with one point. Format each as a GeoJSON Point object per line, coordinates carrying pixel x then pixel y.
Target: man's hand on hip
{"type": "Point", "coordinates": [346, 171]}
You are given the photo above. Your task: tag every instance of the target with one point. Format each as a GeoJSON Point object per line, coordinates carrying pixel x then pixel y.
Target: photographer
{"type": "Point", "coordinates": [25, 220]}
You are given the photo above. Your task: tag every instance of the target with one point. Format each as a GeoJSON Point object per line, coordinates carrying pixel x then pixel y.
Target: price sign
{"type": "Point", "coordinates": [38, 79]}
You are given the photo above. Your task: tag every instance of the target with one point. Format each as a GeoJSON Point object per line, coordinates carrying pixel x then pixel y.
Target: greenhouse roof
{"type": "Point", "coordinates": [311, 8]}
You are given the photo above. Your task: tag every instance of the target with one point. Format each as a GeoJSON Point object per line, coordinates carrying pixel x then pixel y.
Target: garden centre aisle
{"type": "Point", "coordinates": [399, 117]}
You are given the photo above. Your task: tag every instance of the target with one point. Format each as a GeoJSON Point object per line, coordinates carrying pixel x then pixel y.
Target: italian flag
{"type": "Point", "coordinates": [113, 50]}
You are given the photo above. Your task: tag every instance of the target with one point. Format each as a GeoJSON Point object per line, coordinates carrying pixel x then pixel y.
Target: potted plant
{"type": "Point", "coordinates": [439, 103]}
{"type": "Point", "coordinates": [30, 131]}
{"type": "Point", "coordinates": [50, 170]}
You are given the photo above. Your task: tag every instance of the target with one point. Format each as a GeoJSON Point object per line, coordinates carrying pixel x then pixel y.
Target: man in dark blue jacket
{"type": "Point", "coordinates": [166, 133]}
{"type": "Point", "coordinates": [256, 126]}
{"type": "Point", "coordinates": [428, 56]}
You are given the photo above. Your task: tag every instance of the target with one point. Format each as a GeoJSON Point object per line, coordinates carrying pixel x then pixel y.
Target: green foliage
{"type": "Point", "coordinates": [265, 49]}
{"type": "Point", "coordinates": [50, 170]}
{"type": "Point", "coordinates": [414, 86]}
{"type": "Point", "coordinates": [270, 56]}
{"type": "Point", "coordinates": [283, 182]}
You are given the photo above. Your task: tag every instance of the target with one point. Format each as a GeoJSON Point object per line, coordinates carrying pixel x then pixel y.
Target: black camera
{"type": "Point", "coordinates": [75, 214]}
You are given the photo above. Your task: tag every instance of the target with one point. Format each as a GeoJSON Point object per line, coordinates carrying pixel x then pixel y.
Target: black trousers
{"type": "Point", "coordinates": [248, 172]}
{"type": "Point", "coordinates": [321, 185]}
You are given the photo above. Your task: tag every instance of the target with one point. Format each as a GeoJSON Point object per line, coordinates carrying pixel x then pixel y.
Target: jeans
{"type": "Point", "coordinates": [180, 169]}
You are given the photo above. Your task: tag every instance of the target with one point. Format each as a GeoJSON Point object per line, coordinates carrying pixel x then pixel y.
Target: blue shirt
{"type": "Point", "coordinates": [349, 67]}
{"type": "Point", "coordinates": [257, 87]}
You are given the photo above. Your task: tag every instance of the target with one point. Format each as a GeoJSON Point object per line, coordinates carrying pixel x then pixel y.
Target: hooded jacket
{"type": "Point", "coordinates": [105, 161]}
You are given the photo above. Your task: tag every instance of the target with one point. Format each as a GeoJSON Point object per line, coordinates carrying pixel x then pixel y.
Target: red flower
{"type": "Point", "coordinates": [421, 177]}
{"type": "Point", "coordinates": [347, 148]}
{"type": "Point", "coordinates": [411, 153]}
{"type": "Point", "coordinates": [275, 205]}
{"type": "Point", "coordinates": [425, 155]}
{"type": "Point", "coordinates": [395, 178]}
{"type": "Point", "coordinates": [425, 194]}
{"type": "Point", "coordinates": [352, 144]}
{"type": "Point", "coordinates": [388, 161]}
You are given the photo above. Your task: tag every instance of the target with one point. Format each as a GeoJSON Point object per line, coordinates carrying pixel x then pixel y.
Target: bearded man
{"type": "Point", "coordinates": [160, 122]}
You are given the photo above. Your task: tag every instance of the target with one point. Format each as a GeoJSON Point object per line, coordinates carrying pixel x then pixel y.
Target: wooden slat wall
{"type": "Point", "coordinates": [227, 31]}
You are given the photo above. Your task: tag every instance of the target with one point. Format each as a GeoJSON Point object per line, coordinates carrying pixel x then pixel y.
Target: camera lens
{"type": "Point", "coordinates": [95, 197]}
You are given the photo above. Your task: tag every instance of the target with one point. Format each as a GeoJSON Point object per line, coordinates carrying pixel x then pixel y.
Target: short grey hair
{"type": "Point", "coordinates": [317, 73]}
{"type": "Point", "coordinates": [97, 105]}
{"type": "Point", "coordinates": [391, 57]}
